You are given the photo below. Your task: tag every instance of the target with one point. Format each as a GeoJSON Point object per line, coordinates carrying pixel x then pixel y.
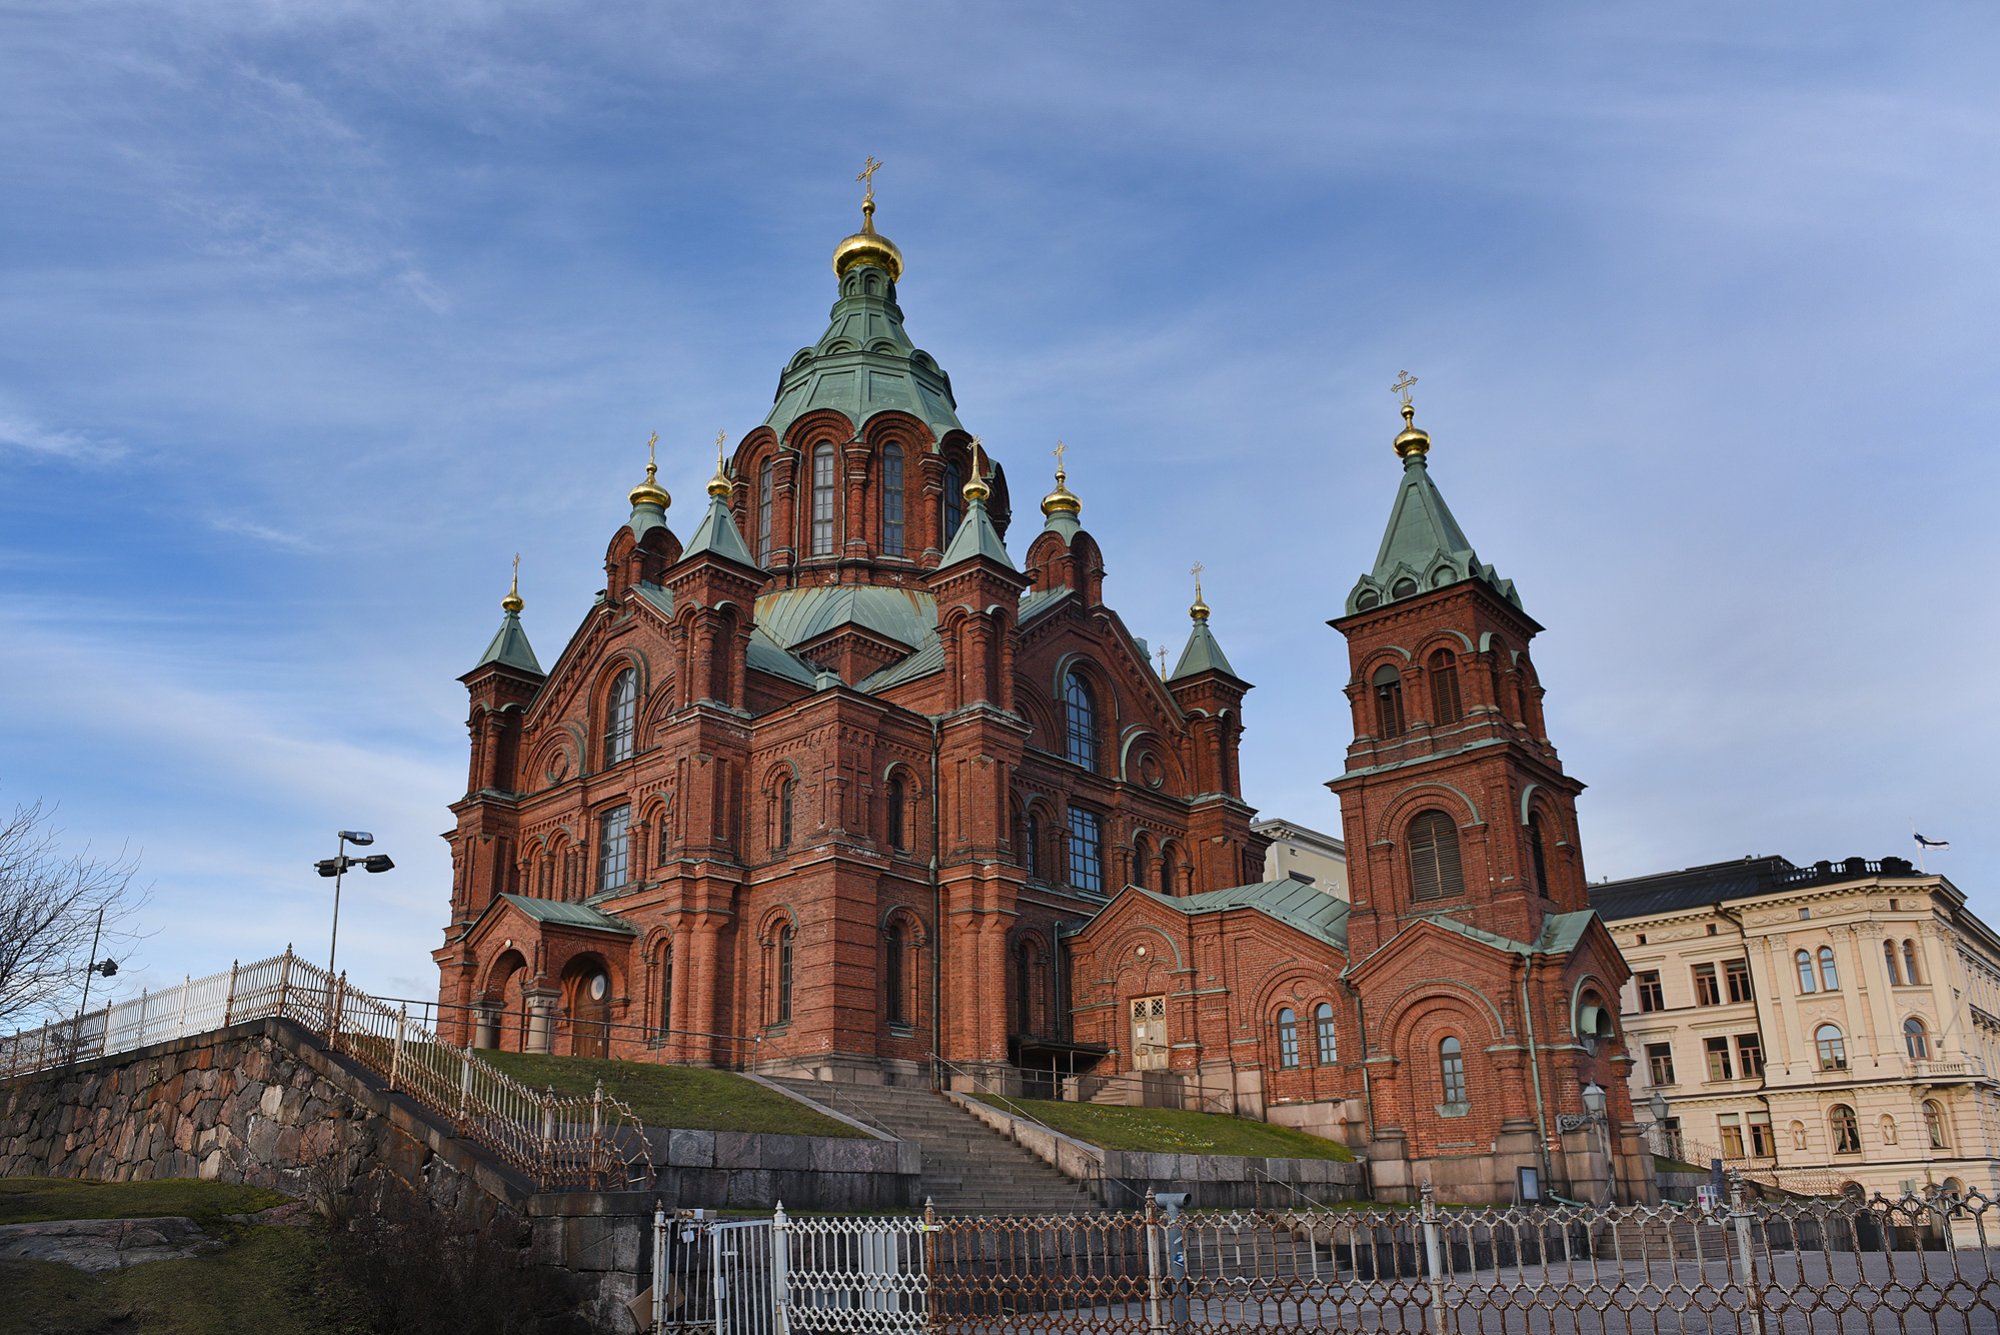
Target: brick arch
{"type": "Point", "coordinates": [1607, 997]}
{"type": "Point", "coordinates": [1395, 816]}
{"type": "Point", "coordinates": [1126, 940]}
{"type": "Point", "coordinates": [499, 970]}
{"type": "Point", "coordinates": [1392, 654]}
{"type": "Point", "coordinates": [1430, 995]}
{"type": "Point", "coordinates": [1173, 775]}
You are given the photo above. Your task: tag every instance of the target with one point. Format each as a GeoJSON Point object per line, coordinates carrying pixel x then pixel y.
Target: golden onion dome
{"type": "Point", "coordinates": [1061, 501]}
{"type": "Point", "coordinates": [513, 602]}
{"type": "Point", "coordinates": [1412, 439]}
{"type": "Point", "coordinates": [1198, 610]}
{"type": "Point", "coordinates": [650, 492]}
{"type": "Point", "coordinates": [868, 246]}
{"type": "Point", "coordinates": [976, 489]}
{"type": "Point", "coordinates": [720, 486]}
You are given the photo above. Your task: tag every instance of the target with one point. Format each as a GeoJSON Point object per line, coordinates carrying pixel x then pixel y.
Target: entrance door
{"type": "Point", "coordinates": [1149, 1033]}
{"type": "Point", "coordinates": [590, 1032]}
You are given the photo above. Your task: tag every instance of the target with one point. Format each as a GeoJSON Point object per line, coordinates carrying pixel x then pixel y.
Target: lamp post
{"type": "Point", "coordinates": [109, 968]}
{"type": "Point", "coordinates": [1593, 1104]}
{"type": "Point", "coordinates": [1664, 1140]}
{"type": "Point", "coordinates": [336, 866]}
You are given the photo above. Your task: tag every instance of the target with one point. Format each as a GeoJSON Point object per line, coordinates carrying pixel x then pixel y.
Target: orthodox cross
{"type": "Point", "coordinates": [1196, 570]}
{"type": "Point", "coordinates": [517, 570]}
{"type": "Point", "coordinates": [720, 437]}
{"type": "Point", "coordinates": [651, 441]}
{"type": "Point", "coordinates": [1059, 451]}
{"type": "Point", "coordinates": [1162, 651]}
{"type": "Point", "coordinates": [975, 458]}
{"type": "Point", "coordinates": [867, 178]}
{"type": "Point", "coordinates": [1402, 386]}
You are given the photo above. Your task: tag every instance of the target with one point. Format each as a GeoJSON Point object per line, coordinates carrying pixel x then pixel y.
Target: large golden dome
{"type": "Point", "coordinates": [868, 246]}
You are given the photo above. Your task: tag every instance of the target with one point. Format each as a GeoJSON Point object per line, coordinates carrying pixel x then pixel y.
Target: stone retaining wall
{"type": "Point", "coordinates": [1212, 1181]}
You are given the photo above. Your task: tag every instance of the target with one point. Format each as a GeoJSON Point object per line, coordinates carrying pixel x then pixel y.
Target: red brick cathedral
{"type": "Point", "coordinates": [835, 787]}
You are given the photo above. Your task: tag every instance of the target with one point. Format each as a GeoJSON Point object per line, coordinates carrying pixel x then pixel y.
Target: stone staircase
{"type": "Point", "coordinates": [967, 1167]}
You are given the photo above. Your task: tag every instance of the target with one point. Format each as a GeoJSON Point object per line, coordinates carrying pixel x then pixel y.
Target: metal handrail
{"type": "Point", "coordinates": [1100, 1177]}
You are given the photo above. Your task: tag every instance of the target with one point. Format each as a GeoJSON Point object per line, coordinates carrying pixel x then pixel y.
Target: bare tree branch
{"type": "Point", "coordinates": [49, 902]}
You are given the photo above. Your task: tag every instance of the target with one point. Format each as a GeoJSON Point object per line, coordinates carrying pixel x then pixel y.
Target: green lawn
{"type": "Point", "coordinates": [1167, 1131]}
{"type": "Point", "coordinates": [675, 1096]}
{"type": "Point", "coordinates": [263, 1280]}
{"type": "Point", "coordinates": [27, 1200]}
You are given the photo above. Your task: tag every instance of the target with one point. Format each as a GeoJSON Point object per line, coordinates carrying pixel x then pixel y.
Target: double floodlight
{"type": "Point", "coordinates": [335, 866]}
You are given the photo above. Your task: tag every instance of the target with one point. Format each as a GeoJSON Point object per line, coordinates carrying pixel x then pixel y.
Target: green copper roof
{"type": "Point", "coordinates": [1202, 654]}
{"type": "Point", "coordinates": [928, 658]}
{"type": "Point", "coordinates": [1064, 524]}
{"type": "Point", "coordinates": [865, 364]}
{"type": "Point", "coordinates": [1560, 933]}
{"type": "Point", "coordinates": [975, 537]}
{"type": "Point", "coordinates": [510, 648]}
{"type": "Point", "coordinates": [1424, 548]}
{"type": "Point", "coordinates": [646, 518]}
{"type": "Point", "coordinates": [766, 655]}
{"type": "Point", "coordinates": [1038, 601]}
{"type": "Point", "coordinates": [717, 533]}
{"type": "Point", "coordinates": [793, 616]}
{"type": "Point", "coordinates": [1293, 902]}
{"type": "Point", "coordinates": [562, 914]}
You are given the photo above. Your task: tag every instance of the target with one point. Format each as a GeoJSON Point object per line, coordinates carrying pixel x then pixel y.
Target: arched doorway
{"type": "Point", "coordinates": [587, 1003]}
{"type": "Point", "coordinates": [506, 1011]}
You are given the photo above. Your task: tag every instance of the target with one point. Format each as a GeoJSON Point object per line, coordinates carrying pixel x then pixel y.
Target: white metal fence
{"type": "Point", "coordinates": [1915, 1266]}
{"type": "Point", "coordinates": [559, 1141]}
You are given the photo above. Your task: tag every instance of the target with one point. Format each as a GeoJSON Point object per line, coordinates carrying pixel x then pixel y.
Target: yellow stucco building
{"type": "Point", "coordinates": [1822, 1027]}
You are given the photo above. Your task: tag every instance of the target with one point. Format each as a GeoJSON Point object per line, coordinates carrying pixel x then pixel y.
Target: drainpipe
{"type": "Point", "coordinates": [1535, 1075]}
{"type": "Point", "coordinates": [937, 927]}
{"type": "Point", "coordinates": [1361, 1039]}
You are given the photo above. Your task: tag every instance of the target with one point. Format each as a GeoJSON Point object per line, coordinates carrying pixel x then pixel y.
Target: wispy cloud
{"type": "Point", "coordinates": [288, 539]}
{"type": "Point", "coordinates": [21, 432]}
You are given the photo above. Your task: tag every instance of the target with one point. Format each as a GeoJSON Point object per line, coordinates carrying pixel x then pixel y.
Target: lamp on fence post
{"type": "Point", "coordinates": [1593, 1105]}
{"type": "Point", "coordinates": [336, 866]}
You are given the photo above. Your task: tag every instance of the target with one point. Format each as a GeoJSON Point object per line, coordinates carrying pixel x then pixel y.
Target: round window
{"type": "Point", "coordinates": [598, 987]}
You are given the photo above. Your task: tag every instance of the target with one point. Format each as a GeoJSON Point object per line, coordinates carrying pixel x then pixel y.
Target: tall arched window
{"type": "Point", "coordinates": [1934, 1127]}
{"type": "Point", "coordinates": [1142, 861]}
{"type": "Point", "coordinates": [1443, 670]}
{"type": "Point", "coordinates": [1288, 1038]}
{"type": "Point", "coordinates": [666, 992]}
{"type": "Point", "coordinates": [1086, 850]}
{"type": "Point", "coordinates": [1079, 721]}
{"type": "Point", "coordinates": [954, 498]}
{"type": "Point", "coordinates": [1910, 963]}
{"type": "Point", "coordinates": [1328, 1043]}
{"type": "Point", "coordinates": [898, 800]}
{"type": "Point", "coordinates": [614, 848]}
{"type": "Point", "coordinates": [1804, 963]}
{"type": "Point", "coordinates": [1832, 1048]}
{"type": "Point", "coordinates": [1916, 1040]}
{"type": "Point", "coordinates": [764, 486]}
{"type": "Point", "coordinates": [892, 500]}
{"type": "Point", "coordinates": [784, 999]}
{"type": "Point", "coordinates": [1451, 1072]}
{"type": "Point", "coordinates": [1032, 839]}
{"type": "Point", "coordinates": [1846, 1130]}
{"type": "Point", "coordinates": [1434, 867]}
{"type": "Point", "coordinates": [1538, 852]}
{"type": "Point", "coordinates": [786, 786]}
{"type": "Point", "coordinates": [1889, 962]}
{"type": "Point", "coordinates": [823, 497]}
{"type": "Point", "coordinates": [1388, 685]}
{"type": "Point", "coordinates": [892, 974]}
{"type": "Point", "coordinates": [1829, 977]}
{"type": "Point", "coordinates": [621, 717]}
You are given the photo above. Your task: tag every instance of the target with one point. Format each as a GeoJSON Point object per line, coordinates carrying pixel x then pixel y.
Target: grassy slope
{"type": "Point", "coordinates": [1167, 1131]}
{"type": "Point", "coordinates": [675, 1096]}
{"type": "Point", "coordinates": [262, 1281]}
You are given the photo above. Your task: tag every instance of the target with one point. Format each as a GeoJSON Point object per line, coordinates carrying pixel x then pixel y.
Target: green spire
{"type": "Point", "coordinates": [510, 647]}
{"type": "Point", "coordinates": [717, 533]}
{"type": "Point", "coordinates": [1423, 547]}
{"type": "Point", "coordinates": [1203, 653]}
{"type": "Point", "coordinates": [976, 535]}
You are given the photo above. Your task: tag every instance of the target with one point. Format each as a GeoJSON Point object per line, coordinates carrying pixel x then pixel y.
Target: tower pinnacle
{"type": "Point", "coordinates": [513, 602]}
{"type": "Point", "coordinates": [868, 246]}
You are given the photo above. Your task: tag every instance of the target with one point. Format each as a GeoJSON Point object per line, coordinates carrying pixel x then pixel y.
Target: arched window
{"type": "Point", "coordinates": [614, 848]}
{"type": "Point", "coordinates": [1079, 721]}
{"type": "Point", "coordinates": [1804, 961]}
{"type": "Point", "coordinates": [822, 501]}
{"type": "Point", "coordinates": [1846, 1130]}
{"type": "Point", "coordinates": [1910, 963]}
{"type": "Point", "coordinates": [1916, 1040]}
{"type": "Point", "coordinates": [892, 975]}
{"type": "Point", "coordinates": [1434, 867]}
{"type": "Point", "coordinates": [1934, 1127]}
{"type": "Point", "coordinates": [1032, 838]}
{"type": "Point", "coordinates": [1388, 701]}
{"type": "Point", "coordinates": [662, 828]}
{"type": "Point", "coordinates": [621, 717]}
{"type": "Point", "coordinates": [782, 1001]}
{"type": "Point", "coordinates": [1889, 962]}
{"type": "Point", "coordinates": [1451, 1072]}
{"type": "Point", "coordinates": [1288, 1038]}
{"type": "Point", "coordinates": [1832, 1048]}
{"type": "Point", "coordinates": [898, 800]}
{"type": "Point", "coordinates": [1829, 977]}
{"type": "Point", "coordinates": [892, 500]}
{"type": "Point", "coordinates": [1443, 670]}
{"type": "Point", "coordinates": [1329, 1046]}
{"type": "Point", "coordinates": [1142, 860]}
{"type": "Point", "coordinates": [786, 786]}
{"type": "Point", "coordinates": [764, 511]}
{"type": "Point", "coordinates": [954, 498]}
{"type": "Point", "coordinates": [1086, 850]}
{"type": "Point", "coordinates": [1538, 855]}
{"type": "Point", "coordinates": [666, 992]}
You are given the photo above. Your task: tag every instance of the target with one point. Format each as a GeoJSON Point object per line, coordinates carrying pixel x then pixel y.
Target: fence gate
{"type": "Point", "coordinates": [779, 1275]}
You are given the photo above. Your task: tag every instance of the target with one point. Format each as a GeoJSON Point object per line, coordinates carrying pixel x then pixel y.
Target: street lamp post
{"type": "Point", "coordinates": [1593, 1104]}
{"type": "Point", "coordinates": [336, 866]}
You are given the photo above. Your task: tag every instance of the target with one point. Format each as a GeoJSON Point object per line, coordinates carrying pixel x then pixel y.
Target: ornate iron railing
{"type": "Point", "coordinates": [1914, 1266]}
{"type": "Point", "coordinates": [558, 1140]}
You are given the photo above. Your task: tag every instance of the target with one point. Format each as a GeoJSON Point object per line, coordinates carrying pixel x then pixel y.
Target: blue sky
{"type": "Point", "coordinates": [311, 315]}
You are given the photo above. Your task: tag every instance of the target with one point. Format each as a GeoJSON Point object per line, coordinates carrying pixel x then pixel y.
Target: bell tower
{"type": "Point", "coordinates": [1488, 988]}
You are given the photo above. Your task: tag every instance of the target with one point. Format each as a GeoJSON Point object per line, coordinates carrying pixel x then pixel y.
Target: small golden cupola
{"type": "Point", "coordinates": [650, 492]}
{"type": "Point", "coordinates": [720, 486]}
{"type": "Point", "coordinates": [1198, 610]}
{"type": "Point", "coordinates": [1412, 440]}
{"type": "Point", "coordinates": [868, 246]}
{"type": "Point", "coordinates": [1061, 501]}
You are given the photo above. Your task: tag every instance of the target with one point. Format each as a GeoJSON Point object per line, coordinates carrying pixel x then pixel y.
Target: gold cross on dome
{"type": "Point", "coordinates": [867, 178]}
{"type": "Point", "coordinates": [975, 458]}
{"type": "Point", "coordinates": [1162, 652]}
{"type": "Point", "coordinates": [1060, 450]}
{"type": "Point", "coordinates": [651, 441]}
{"type": "Point", "coordinates": [1404, 382]}
{"type": "Point", "coordinates": [1196, 570]}
{"type": "Point", "coordinates": [720, 438]}
{"type": "Point", "coordinates": [517, 570]}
